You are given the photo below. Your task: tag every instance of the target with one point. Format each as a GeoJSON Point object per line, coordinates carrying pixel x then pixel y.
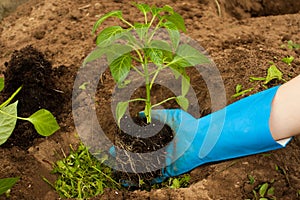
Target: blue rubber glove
{"type": "Point", "coordinates": [240, 129]}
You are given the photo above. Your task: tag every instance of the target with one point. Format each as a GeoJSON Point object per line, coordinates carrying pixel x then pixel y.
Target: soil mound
{"type": "Point", "coordinates": [28, 68]}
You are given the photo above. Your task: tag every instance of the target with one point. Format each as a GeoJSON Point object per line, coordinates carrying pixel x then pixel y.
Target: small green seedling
{"type": "Point", "coordinates": [139, 49]}
{"type": "Point", "coordinates": [288, 60]}
{"type": "Point", "coordinates": [239, 91]}
{"type": "Point", "coordinates": [83, 85]}
{"type": "Point", "coordinates": [292, 45]}
{"type": "Point", "coordinates": [81, 175]}
{"type": "Point", "coordinates": [264, 192]}
{"type": "Point", "coordinates": [43, 121]}
{"type": "Point", "coordinates": [273, 74]}
{"type": "Point", "coordinates": [182, 181]}
{"type": "Point", "coordinates": [251, 179]}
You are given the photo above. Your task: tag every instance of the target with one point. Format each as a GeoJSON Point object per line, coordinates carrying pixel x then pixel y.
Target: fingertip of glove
{"type": "Point", "coordinates": [142, 114]}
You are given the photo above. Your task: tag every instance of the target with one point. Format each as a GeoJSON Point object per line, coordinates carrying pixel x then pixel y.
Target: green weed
{"type": "Point", "coordinates": [239, 91]}
{"type": "Point", "coordinates": [273, 73]}
{"type": "Point", "coordinates": [264, 192]}
{"type": "Point", "coordinates": [175, 182]}
{"type": "Point", "coordinates": [81, 175]}
{"type": "Point", "coordinates": [288, 60]}
{"type": "Point", "coordinates": [251, 179]}
{"type": "Point", "coordinates": [291, 45]}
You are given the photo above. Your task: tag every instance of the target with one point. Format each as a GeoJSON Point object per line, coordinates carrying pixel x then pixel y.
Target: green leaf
{"type": "Point", "coordinates": [120, 67]}
{"type": "Point", "coordinates": [257, 79]}
{"type": "Point", "coordinates": [7, 123]}
{"type": "Point", "coordinates": [292, 45]}
{"type": "Point", "coordinates": [94, 55]}
{"type": "Point", "coordinates": [288, 60]}
{"type": "Point", "coordinates": [164, 46]}
{"type": "Point", "coordinates": [185, 84]}
{"type": "Point", "coordinates": [5, 103]}
{"type": "Point", "coordinates": [177, 20]}
{"type": "Point", "coordinates": [1, 83]}
{"type": "Point", "coordinates": [144, 8]}
{"type": "Point", "coordinates": [119, 59]}
{"type": "Point", "coordinates": [273, 73]}
{"type": "Point", "coordinates": [263, 189]}
{"type": "Point", "coordinates": [155, 10]}
{"type": "Point", "coordinates": [120, 110]}
{"type": "Point", "coordinates": [271, 191]}
{"type": "Point", "coordinates": [44, 122]}
{"type": "Point", "coordinates": [177, 71]}
{"type": "Point", "coordinates": [108, 35]}
{"type": "Point", "coordinates": [83, 85]}
{"type": "Point", "coordinates": [115, 51]}
{"type": "Point", "coordinates": [251, 179]}
{"type": "Point", "coordinates": [168, 9]}
{"type": "Point", "coordinates": [141, 30]}
{"type": "Point", "coordinates": [173, 33]}
{"type": "Point", "coordinates": [187, 56]}
{"type": "Point", "coordinates": [156, 56]}
{"type": "Point", "coordinates": [175, 184]}
{"type": "Point", "coordinates": [7, 183]}
{"type": "Point", "coordinates": [182, 102]}
{"type": "Point", "coordinates": [116, 13]}
{"type": "Point", "coordinates": [242, 92]}
{"type": "Point", "coordinates": [238, 88]}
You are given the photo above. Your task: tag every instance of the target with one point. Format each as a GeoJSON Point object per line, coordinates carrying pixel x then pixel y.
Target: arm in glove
{"type": "Point", "coordinates": [240, 129]}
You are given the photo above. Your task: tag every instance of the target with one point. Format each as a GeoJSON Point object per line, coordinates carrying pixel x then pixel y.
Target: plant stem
{"type": "Point", "coordinates": [126, 22]}
{"type": "Point", "coordinates": [108, 177]}
{"type": "Point", "coordinates": [138, 71]}
{"type": "Point", "coordinates": [164, 101]}
{"type": "Point", "coordinates": [155, 29]}
{"type": "Point", "coordinates": [148, 96]}
{"type": "Point", "coordinates": [137, 99]}
{"type": "Point", "coordinates": [12, 116]}
{"type": "Point", "coordinates": [219, 8]}
{"type": "Point", "coordinates": [154, 77]}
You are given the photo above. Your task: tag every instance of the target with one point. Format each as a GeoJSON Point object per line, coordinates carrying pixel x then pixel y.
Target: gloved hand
{"type": "Point", "coordinates": [240, 129]}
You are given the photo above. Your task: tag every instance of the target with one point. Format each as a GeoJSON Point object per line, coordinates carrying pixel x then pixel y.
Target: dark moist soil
{"type": "Point", "coordinates": [242, 37]}
{"type": "Point", "coordinates": [28, 68]}
{"type": "Point", "coordinates": [132, 139]}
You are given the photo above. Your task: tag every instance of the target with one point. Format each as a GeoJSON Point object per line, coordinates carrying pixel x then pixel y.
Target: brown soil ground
{"type": "Point", "coordinates": [242, 37]}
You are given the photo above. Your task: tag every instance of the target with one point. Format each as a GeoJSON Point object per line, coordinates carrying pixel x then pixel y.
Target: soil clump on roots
{"type": "Point", "coordinates": [130, 139]}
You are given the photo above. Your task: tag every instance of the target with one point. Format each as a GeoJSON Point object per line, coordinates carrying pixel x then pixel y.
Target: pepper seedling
{"type": "Point", "coordinates": [139, 49]}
